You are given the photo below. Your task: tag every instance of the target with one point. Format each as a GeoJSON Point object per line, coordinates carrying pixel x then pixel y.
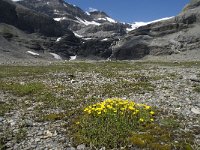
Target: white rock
{"type": "Point", "coordinates": [196, 111]}
{"type": "Point", "coordinates": [81, 147]}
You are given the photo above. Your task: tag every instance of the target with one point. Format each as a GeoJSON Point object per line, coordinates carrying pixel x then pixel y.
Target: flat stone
{"type": "Point", "coordinates": [81, 147]}
{"type": "Point", "coordinates": [37, 139]}
{"type": "Point", "coordinates": [70, 148]}
{"type": "Point", "coordinates": [48, 134]}
{"type": "Point", "coordinates": [1, 119]}
{"type": "Point", "coordinates": [28, 123]}
{"type": "Point", "coordinates": [196, 111]}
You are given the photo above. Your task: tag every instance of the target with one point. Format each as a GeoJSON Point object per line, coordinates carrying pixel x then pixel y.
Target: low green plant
{"type": "Point", "coordinates": [20, 135]}
{"type": "Point", "coordinates": [110, 123]}
{"type": "Point", "coordinates": [197, 89]}
{"type": "Point", "coordinates": [5, 107]}
{"type": "Point", "coordinates": [22, 89]}
{"type": "Point", "coordinates": [2, 143]}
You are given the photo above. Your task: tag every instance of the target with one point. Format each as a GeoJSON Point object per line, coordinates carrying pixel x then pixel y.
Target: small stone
{"type": "Point", "coordinates": [37, 139]}
{"type": "Point", "coordinates": [12, 122]}
{"type": "Point", "coordinates": [48, 134]}
{"type": "Point", "coordinates": [1, 119]}
{"type": "Point", "coordinates": [28, 123]}
{"type": "Point", "coordinates": [40, 133]}
{"type": "Point", "coordinates": [81, 147]}
{"type": "Point", "coordinates": [71, 148]}
{"type": "Point", "coordinates": [55, 133]}
{"type": "Point", "coordinates": [30, 109]}
{"type": "Point", "coordinates": [196, 111]}
{"type": "Point", "coordinates": [73, 81]}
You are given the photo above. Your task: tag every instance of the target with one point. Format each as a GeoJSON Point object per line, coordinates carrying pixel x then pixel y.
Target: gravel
{"type": "Point", "coordinates": [175, 95]}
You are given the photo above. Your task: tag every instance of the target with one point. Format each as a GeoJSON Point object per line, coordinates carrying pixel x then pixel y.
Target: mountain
{"type": "Point", "coordinates": [23, 30]}
{"type": "Point", "coordinates": [54, 29]}
{"type": "Point", "coordinates": [94, 24]}
{"type": "Point", "coordinates": [27, 30]}
{"type": "Point", "coordinates": [175, 35]}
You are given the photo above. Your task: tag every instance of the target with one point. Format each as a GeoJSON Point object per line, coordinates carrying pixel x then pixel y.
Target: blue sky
{"type": "Point", "coordinates": [134, 10]}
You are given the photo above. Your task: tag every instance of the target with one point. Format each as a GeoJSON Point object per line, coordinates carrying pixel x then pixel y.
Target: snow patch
{"type": "Point", "coordinates": [59, 19]}
{"type": "Point", "coordinates": [87, 39]}
{"type": "Point", "coordinates": [106, 39]}
{"type": "Point", "coordinates": [72, 58]}
{"type": "Point", "coordinates": [33, 53]}
{"type": "Point", "coordinates": [85, 22]}
{"type": "Point", "coordinates": [102, 19]}
{"type": "Point", "coordinates": [139, 24]}
{"type": "Point", "coordinates": [111, 20]}
{"type": "Point", "coordinates": [87, 13]}
{"type": "Point", "coordinates": [77, 35]}
{"type": "Point", "coordinates": [136, 25]}
{"type": "Point", "coordinates": [107, 19]}
{"type": "Point", "coordinates": [58, 39]}
{"type": "Point", "coordinates": [56, 56]}
{"type": "Point", "coordinates": [65, 5]}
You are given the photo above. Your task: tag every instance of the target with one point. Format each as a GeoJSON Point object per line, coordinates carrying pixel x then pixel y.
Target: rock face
{"type": "Point", "coordinates": [54, 26]}
{"type": "Point", "coordinates": [28, 20]}
{"type": "Point", "coordinates": [22, 30]}
{"type": "Point", "coordinates": [75, 19]}
{"type": "Point", "coordinates": [175, 35]}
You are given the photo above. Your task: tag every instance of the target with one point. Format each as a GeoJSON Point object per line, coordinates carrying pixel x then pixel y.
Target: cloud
{"type": "Point", "coordinates": [16, 0]}
{"type": "Point", "coordinates": [92, 9]}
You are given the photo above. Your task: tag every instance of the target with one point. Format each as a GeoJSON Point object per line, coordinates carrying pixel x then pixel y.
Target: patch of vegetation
{"type": "Point", "coordinates": [2, 143]}
{"type": "Point", "coordinates": [159, 137]}
{"type": "Point", "coordinates": [109, 123]}
{"type": "Point", "coordinates": [22, 89]}
{"type": "Point", "coordinates": [196, 88]}
{"type": "Point", "coordinates": [116, 123]}
{"type": "Point", "coordinates": [173, 64]}
{"type": "Point", "coordinates": [124, 88]}
{"type": "Point", "coordinates": [5, 108]}
{"type": "Point", "coordinates": [53, 117]}
{"type": "Point", "coordinates": [20, 135]}
{"type": "Point", "coordinates": [93, 82]}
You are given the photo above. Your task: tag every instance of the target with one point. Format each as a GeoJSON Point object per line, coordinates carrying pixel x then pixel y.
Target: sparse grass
{"type": "Point", "coordinates": [22, 89]}
{"type": "Point", "coordinates": [2, 143]}
{"type": "Point", "coordinates": [5, 108]}
{"type": "Point", "coordinates": [94, 81]}
{"type": "Point", "coordinates": [196, 88]}
{"type": "Point", "coordinates": [173, 64]}
{"type": "Point", "coordinates": [20, 135]}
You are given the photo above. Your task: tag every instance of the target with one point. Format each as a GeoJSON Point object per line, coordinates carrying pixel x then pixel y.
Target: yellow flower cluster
{"type": "Point", "coordinates": [117, 106]}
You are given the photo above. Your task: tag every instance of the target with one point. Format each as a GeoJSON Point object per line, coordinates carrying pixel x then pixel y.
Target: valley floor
{"type": "Point", "coordinates": [39, 102]}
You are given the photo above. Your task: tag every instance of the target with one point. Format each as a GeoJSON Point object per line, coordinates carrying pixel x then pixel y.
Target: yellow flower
{"type": "Point", "coordinates": [131, 108]}
{"type": "Point", "coordinates": [99, 113]}
{"type": "Point", "coordinates": [109, 106]}
{"type": "Point", "coordinates": [141, 120]}
{"type": "Point", "coordinates": [152, 119]}
{"type": "Point", "coordinates": [77, 122]}
{"type": "Point", "coordinates": [147, 107]}
{"type": "Point", "coordinates": [89, 111]}
{"type": "Point", "coordinates": [152, 113]}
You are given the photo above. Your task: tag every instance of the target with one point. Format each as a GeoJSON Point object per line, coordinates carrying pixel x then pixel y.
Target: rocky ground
{"type": "Point", "coordinates": [38, 102]}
